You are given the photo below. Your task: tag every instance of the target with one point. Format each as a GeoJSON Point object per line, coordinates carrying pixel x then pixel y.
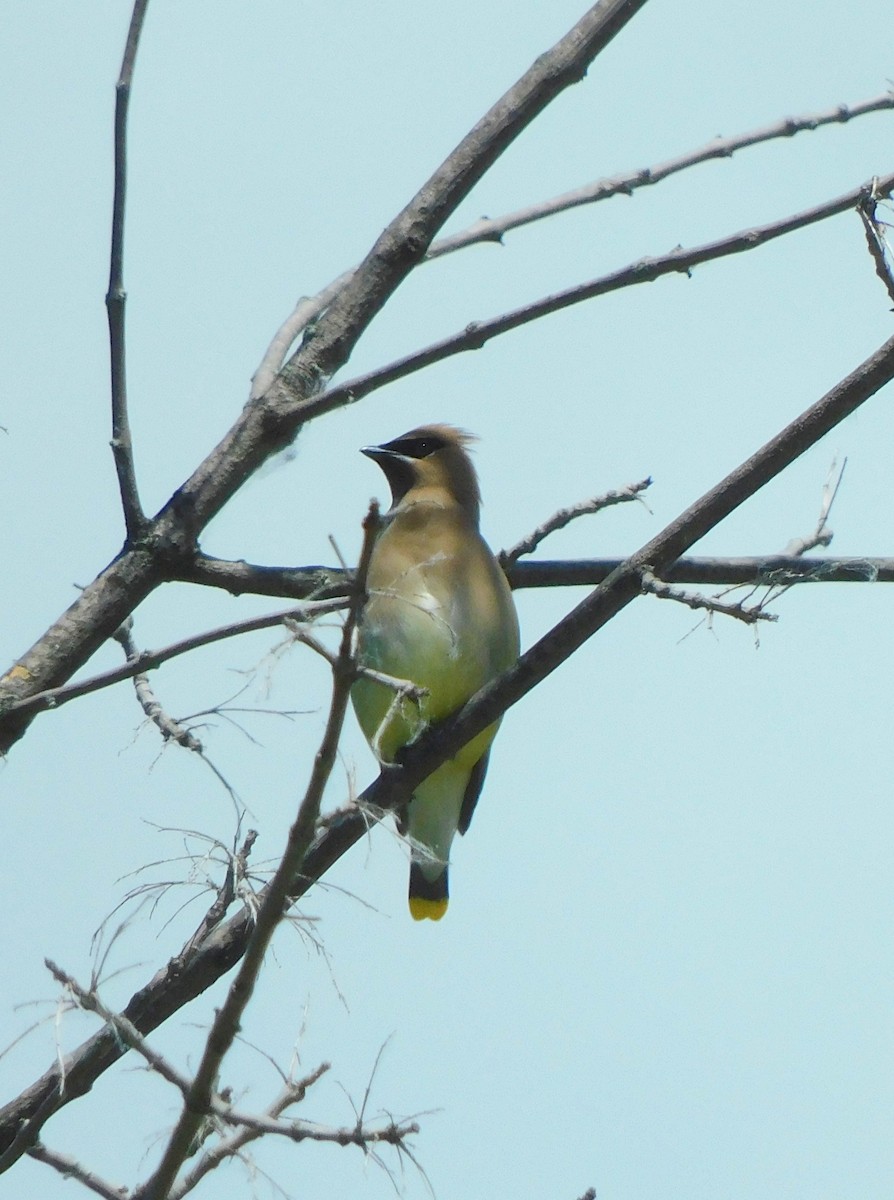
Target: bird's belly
{"type": "Point", "coordinates": [425, 642]}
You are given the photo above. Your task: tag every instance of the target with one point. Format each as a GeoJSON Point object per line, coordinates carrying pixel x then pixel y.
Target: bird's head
{"type": "Point", "coordinates": [430, 460]}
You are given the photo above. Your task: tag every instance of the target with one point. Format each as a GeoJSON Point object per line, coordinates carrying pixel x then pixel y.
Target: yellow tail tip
{"type": "Point", "coordinates": [427, 910]}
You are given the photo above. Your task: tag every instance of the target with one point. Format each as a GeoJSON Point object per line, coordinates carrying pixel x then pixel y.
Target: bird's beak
{"type": "Point", "coordinates": [382, 455]}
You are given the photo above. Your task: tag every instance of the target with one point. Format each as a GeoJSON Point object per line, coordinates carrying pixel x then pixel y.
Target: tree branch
{"type": "Point", "coordinates": [170, 729]}
{"type": "Point", "coordinates": [493, 229]}
{"type": "Point", "coordinates": [70, 1168]}
{"type": "Point", "coordinates": [653, 586]}
{"type": "Point", "coordinates": [757, 571]}
{"type": "Point", "coordinates": [150, 660]}
{"type": "Point", "coordinates": [477, 334]}
{"type": "Point", "coordinates": [122, 446]}
{"type": "Point", "coordinates": [269, 424]}
{"type": "Point", "coordinates": [565, 516]}
{"type": "Point", "coordinates": [182, 979]}
{"type": "Point", "coordinates": [275, 897]}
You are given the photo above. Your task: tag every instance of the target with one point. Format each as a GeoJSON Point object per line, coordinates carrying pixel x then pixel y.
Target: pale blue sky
{"type": "Point", "coordinates": [667, 969]}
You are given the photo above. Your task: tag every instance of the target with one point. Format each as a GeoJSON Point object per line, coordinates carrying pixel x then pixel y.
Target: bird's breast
{"type": "Point", "coordinates": [440, 618]}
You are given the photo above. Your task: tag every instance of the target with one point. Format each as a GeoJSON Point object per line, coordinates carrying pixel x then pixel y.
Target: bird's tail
{"type": "Point", "coordinates": [428, 897]}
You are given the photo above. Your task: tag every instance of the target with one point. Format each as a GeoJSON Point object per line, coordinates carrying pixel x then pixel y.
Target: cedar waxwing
{"type": "Point", "coordinates": [440, 615]}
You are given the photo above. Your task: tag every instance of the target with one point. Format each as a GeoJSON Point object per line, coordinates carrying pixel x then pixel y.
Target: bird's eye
{"type": "Point", "coordinates": [417, 447]}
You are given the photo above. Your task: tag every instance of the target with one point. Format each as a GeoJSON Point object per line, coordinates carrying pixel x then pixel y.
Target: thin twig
{"type": "Point", "coordinates": [667, 591]}
{"type": "Point", "coordinates": [270, 913]}
{"type": "Point", "coordinates": [219, 1108]}
{"type": "Point", "coordinates": [168, 727]}
{"type": "Point", "coordinates": [268, 426]}
{"type": "Point", "coordinates": [404, 688]}
{"type": "Point", "coordinates": [304, 314]}
{"type": "Point", "coordinates": [88, 999]}
{"type": "Point", "coordinates": [236, 874]}
{"type": "Point", "coordinates": [821, 535]}
{"type": "Point", "coordinates": [70, 1168]}
{"type": "Point", "coordinates": [627, 182]}
{"type": "Point", "coordinates": [493, 229]}
{"type": "Point", "coordinates": [122, 445]}
{"type": "Point", "coordinates": [477, 334]}
{"type": "Point", "coordinates": [565, 516]}
{"type": "Point", "coordinates": [226, 1148]}
{"type": "Point", "coordinates": [775, 586]}
{"type": "Point", "coordinates": [150, 660]}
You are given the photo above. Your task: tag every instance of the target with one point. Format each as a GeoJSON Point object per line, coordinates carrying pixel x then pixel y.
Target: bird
{"type": "Point", "coordinates": [439, 615]}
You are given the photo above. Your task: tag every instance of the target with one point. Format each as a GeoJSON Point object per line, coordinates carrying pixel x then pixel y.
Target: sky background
{"type": "Point", "coordinates": [668, 965]}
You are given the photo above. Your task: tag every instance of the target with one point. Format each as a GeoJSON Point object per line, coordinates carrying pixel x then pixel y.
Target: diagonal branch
{"type": "Point", "coordinates": [493, 229]}
{"type": "Point", "coordinates": [646, 270]}
{"type": "Point", "coordinates": [748, 614]}
{"type": "Point", "coordinates": [148, 660]}
{"type": "Point", "coordinates": [122, 446]}
{"type": "Point", "coordinates": [565, 516]}
{"type": "Point", "coordinates": [184, 978]}
{"type": "Point", "coordinates": [269, 424]}
{"type": "Point", "coordinates": [275, 897]}
{"type": "Point", "coordinates": [70, 1168]}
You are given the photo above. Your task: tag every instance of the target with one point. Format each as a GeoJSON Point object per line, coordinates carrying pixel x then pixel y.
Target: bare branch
{"type": "Point", "coordinates": [236, 874]}
{"type": "Point", "coordinates": [70, 1168]}
{"type": "Point", "coordinates": [122, 446]}
{"type": "Point", "coordinates": [296, 583]}
{"type": "Point", "coordinates": [218, 1106]}
{"type": "Point", "coordinates": [89, 1000]}
{"type": "Point", "coordinates": [680, 261]}
{"type": "Point", "coordinates": [763, 569]}
{"type": "Point", "coordinates": [727, 608]}
{"type": "Point", "coordinates": [231, 1147]}
{"type": "Point", "coordinates": [275, 897]}
{"type": "Point", "coordinates": [170, 729]}
{"type": "Point", "coordinates": [822, 534]}
{"type": "Point", "coordinates": [182, 979]}
{"type": "Point", "coordinates": [269, 425]}
{"type": "Point", "coordinates": [305, 313]}
{"type": "Point", "coordinates": [493, 229]}
{"type": "Point", "coordinates": [776, 584]}
{"type": "Point", "coordinates": [579, 572]}
{"type": "Point", "coordinates": [150, 660]}
{"type": "Point", "coordinates": [565, 516]}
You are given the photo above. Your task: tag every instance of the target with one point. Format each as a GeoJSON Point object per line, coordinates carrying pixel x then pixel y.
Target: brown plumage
{"type": "Point", "coordinates": [439, 614]}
